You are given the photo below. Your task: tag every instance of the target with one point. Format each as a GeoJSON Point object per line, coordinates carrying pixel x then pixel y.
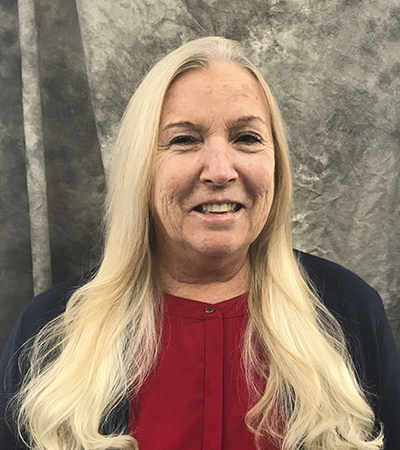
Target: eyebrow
{"type": "Point", "coordinates": [249, 119]}
{"type": "Point", "coordinates": [241, 121]}
{"type": "Point", "coordinates": [183, 124]}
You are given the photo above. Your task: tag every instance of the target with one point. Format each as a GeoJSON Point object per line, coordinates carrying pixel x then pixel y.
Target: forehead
{"type": "Point", "coordinates": [223, 88]}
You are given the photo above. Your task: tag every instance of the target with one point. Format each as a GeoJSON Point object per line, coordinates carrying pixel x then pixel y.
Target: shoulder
{"type": "Point", "coordinates": [48, 305]}
{"type": "Point", "coordinates": [39, 311]}
{"type": "Point", "coordinates": [332, 276]}
{"type": "Point", "coordinates": [342, 291]}
{"type": "Point", "coordinates": [356, 306]}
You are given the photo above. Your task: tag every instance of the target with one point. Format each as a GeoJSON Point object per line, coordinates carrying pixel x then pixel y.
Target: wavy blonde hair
{"type": "Point", "coordinates": [306, 395]}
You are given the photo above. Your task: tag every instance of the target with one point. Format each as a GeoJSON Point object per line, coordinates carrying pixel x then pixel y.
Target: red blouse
{"type": "Point", "coordinates": [197, 397]}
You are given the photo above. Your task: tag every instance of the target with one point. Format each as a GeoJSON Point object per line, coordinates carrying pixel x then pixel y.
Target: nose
{"type": "Point", "coordinates": [218, 167]}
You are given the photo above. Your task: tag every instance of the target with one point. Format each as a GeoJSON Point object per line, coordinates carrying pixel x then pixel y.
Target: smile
{"type": "Point", "coordinates": [214, 208]}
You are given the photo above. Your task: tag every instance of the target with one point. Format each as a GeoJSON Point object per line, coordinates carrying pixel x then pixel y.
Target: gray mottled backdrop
{"type": "Point", "coordinates": [68, 68]}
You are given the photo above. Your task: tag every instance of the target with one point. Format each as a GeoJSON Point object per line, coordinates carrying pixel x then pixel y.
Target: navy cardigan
{"type": "Point", "coordinates": [356, 306]}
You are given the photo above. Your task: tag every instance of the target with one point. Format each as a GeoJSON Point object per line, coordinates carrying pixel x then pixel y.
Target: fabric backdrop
{"type": "Point", "coordinates": [68, 68]}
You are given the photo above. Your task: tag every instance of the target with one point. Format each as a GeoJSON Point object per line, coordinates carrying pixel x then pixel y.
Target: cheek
{"type": "Point", "coordinates": [168, 192]}
{"type": "Point", "coordinates": [160, 195]}
{"type": "Point", "coordinates": [261, 179]}
{"type": "Point", "coordinates": [162, 211]}
{"type": "Point", "coordinates": [162, 183]}
{"type": "Point", "coordinates": [176, 177]}
{"type": "Point", "coordinates": [262, 185]}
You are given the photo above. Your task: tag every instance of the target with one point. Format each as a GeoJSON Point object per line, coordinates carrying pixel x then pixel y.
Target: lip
{"type": "Point", "coordinates": [215, 208]}
{"type": "Point", "coordinates": [218, 202]}
{"type": "Point", "coordinates": [226, 218]}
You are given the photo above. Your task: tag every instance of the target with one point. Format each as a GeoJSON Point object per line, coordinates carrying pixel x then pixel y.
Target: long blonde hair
{"type": "Point", "coordinates": [100, 350]}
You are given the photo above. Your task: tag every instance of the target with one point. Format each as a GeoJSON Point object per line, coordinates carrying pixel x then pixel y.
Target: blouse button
{"type": "Point", "coordinates": [209, 309]}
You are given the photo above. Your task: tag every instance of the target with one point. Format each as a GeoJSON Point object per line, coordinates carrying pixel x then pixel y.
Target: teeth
{"type": "Point", "coordinates": [218, 209]}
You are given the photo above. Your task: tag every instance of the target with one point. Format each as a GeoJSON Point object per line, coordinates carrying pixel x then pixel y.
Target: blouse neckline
{"type": "Point", "coordinates": [183, 307]}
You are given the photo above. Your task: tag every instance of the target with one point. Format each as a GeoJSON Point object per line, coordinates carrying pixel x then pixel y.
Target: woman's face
{"type": "Point", "coordinates": [214, 178]}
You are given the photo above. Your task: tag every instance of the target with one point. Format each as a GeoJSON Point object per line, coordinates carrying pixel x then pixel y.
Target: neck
{"type": "Point", "coordinates": [209, 281]}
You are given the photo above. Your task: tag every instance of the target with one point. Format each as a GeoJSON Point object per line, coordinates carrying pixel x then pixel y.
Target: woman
{"type": "Point", "coordinates": [201, 328]}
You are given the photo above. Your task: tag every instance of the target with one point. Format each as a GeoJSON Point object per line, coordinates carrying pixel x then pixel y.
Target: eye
{"type": "Point", "coordinates": [182, 140]}
{"type": "Point", "coordinates": [249, 138]}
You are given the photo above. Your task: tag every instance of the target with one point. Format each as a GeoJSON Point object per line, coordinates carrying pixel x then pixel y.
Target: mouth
{"type": "Point", "coordinates": [216, 208]}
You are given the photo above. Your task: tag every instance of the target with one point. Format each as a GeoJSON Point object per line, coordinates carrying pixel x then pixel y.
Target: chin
{"type": "Point", "coordinates": [219, 249]}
